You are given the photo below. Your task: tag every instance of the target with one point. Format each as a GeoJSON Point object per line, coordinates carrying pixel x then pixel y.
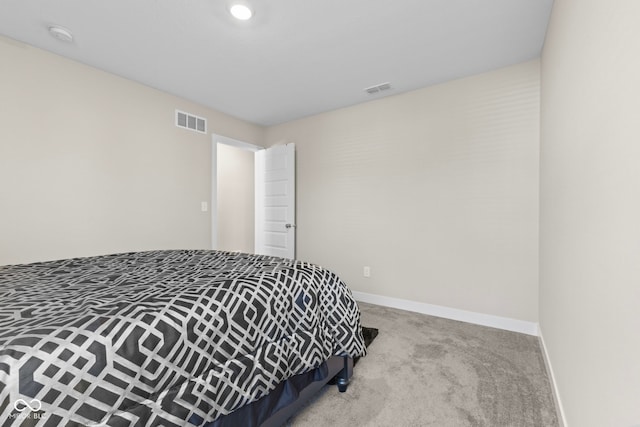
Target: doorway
{"type": "Point", "coordinates": [253, 198]}
{"type": "Point", "coordinates": [233, 194]}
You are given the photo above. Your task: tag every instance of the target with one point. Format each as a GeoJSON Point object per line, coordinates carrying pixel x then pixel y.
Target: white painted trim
{"type": "Point", "coordinates": [258, 191]}
{"type": "Point", "coordinates": [213, 206]}
{"type": "Point", "coordinates": [236, 143]}
{"type": "Point", "coordinates": [515, 325]}
{"type": "Point", "coordinates": [554, 385]}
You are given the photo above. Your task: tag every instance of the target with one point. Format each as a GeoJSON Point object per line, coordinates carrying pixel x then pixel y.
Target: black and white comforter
{"type": "Point", "coordinates": [171, 338]}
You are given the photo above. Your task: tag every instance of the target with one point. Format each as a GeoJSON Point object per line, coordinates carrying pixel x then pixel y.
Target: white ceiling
{"type": "Point", "coordinates": [295, 57]}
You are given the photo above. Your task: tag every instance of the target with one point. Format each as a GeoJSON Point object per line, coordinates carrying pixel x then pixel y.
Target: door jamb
{"type": "Point", "coordinates": [215, 140]}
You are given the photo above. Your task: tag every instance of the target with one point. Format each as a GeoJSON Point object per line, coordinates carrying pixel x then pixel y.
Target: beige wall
{"type": "Point", "coordinates": [91, 163]}
{"type": "Point", "coordinates": [436, 190]}
{"type": "Point", "coordinates": [236, 199]}
{"type": "Point", "coordinates": [590, 209]}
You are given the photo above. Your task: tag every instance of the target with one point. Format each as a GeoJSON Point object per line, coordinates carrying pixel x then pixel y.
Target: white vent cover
{"type": "Point", "coordinates": [378, 88]}
{"type": "Point", "coordinates": [191, 122]}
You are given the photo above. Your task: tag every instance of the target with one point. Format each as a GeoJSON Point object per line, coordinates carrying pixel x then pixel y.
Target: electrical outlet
{"type": "Point", "coordinates": [366, 271]}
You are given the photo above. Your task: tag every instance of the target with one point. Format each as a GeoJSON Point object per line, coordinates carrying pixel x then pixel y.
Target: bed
{"type": "Point", "coordinates": [171, 338]}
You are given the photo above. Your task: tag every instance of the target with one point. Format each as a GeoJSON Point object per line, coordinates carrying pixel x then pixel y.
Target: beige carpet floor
{"type": "Point", "coordinates": [428, 371]}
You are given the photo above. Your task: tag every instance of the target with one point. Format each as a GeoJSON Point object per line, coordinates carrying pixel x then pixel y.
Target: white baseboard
{"type": "Point", "coordinates": [529, 328]}
{"type": "Point", "coordinates": [556, 393]}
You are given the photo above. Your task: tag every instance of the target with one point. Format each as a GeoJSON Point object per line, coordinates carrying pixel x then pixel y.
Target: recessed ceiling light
{"type": "Point", "coordinates": [61, 33]}
{"type": "Point", "coordinates": [241, 12]}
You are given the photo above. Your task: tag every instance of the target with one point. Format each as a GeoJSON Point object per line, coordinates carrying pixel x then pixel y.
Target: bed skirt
{"type": "Point", "coordinates": [289, 396]}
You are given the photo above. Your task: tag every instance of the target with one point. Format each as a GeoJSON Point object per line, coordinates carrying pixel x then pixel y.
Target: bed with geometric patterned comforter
{"type": "Point", "coordinates": [171, 338]}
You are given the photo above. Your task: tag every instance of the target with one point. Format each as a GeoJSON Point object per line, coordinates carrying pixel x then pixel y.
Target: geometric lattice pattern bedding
{"type": "Point", "coordinates": [171, 338]}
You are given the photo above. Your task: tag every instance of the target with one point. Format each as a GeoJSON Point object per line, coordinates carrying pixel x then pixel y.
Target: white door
{"type": "Point", "coordinates": [275, 189]}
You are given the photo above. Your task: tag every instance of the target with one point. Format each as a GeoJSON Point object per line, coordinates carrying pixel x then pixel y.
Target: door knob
{"type": "Point", "coordinates": [289, 226]}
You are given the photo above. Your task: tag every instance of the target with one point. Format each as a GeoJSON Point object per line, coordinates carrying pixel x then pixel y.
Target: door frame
{"type": "Point", "coordinates": [215, 140]}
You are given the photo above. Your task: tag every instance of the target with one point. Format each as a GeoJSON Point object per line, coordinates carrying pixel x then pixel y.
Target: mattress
{"type": "Point", "coordinates": [172, 338]}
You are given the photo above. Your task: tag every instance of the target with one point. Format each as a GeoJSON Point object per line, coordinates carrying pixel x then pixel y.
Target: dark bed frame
{"type": "Point", "coordinates": [274, 412]}
{"type": "Point", "coordinates": [340, 371]}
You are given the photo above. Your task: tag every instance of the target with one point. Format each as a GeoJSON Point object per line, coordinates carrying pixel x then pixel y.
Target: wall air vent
{"type": "Point", "coordinates": [191, 122]}
{"type": "Point", "coordinates": [378, 88]}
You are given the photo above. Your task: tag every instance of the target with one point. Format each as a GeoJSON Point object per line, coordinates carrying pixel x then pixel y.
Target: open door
{"type": "Point", "coordinates": [275, 225]}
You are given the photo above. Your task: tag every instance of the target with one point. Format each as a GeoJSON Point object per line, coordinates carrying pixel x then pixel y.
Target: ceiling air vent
{"type": "Point", "coordinates": [378, 88]}
{"type": "Point", "coordinates": [191, 122]}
